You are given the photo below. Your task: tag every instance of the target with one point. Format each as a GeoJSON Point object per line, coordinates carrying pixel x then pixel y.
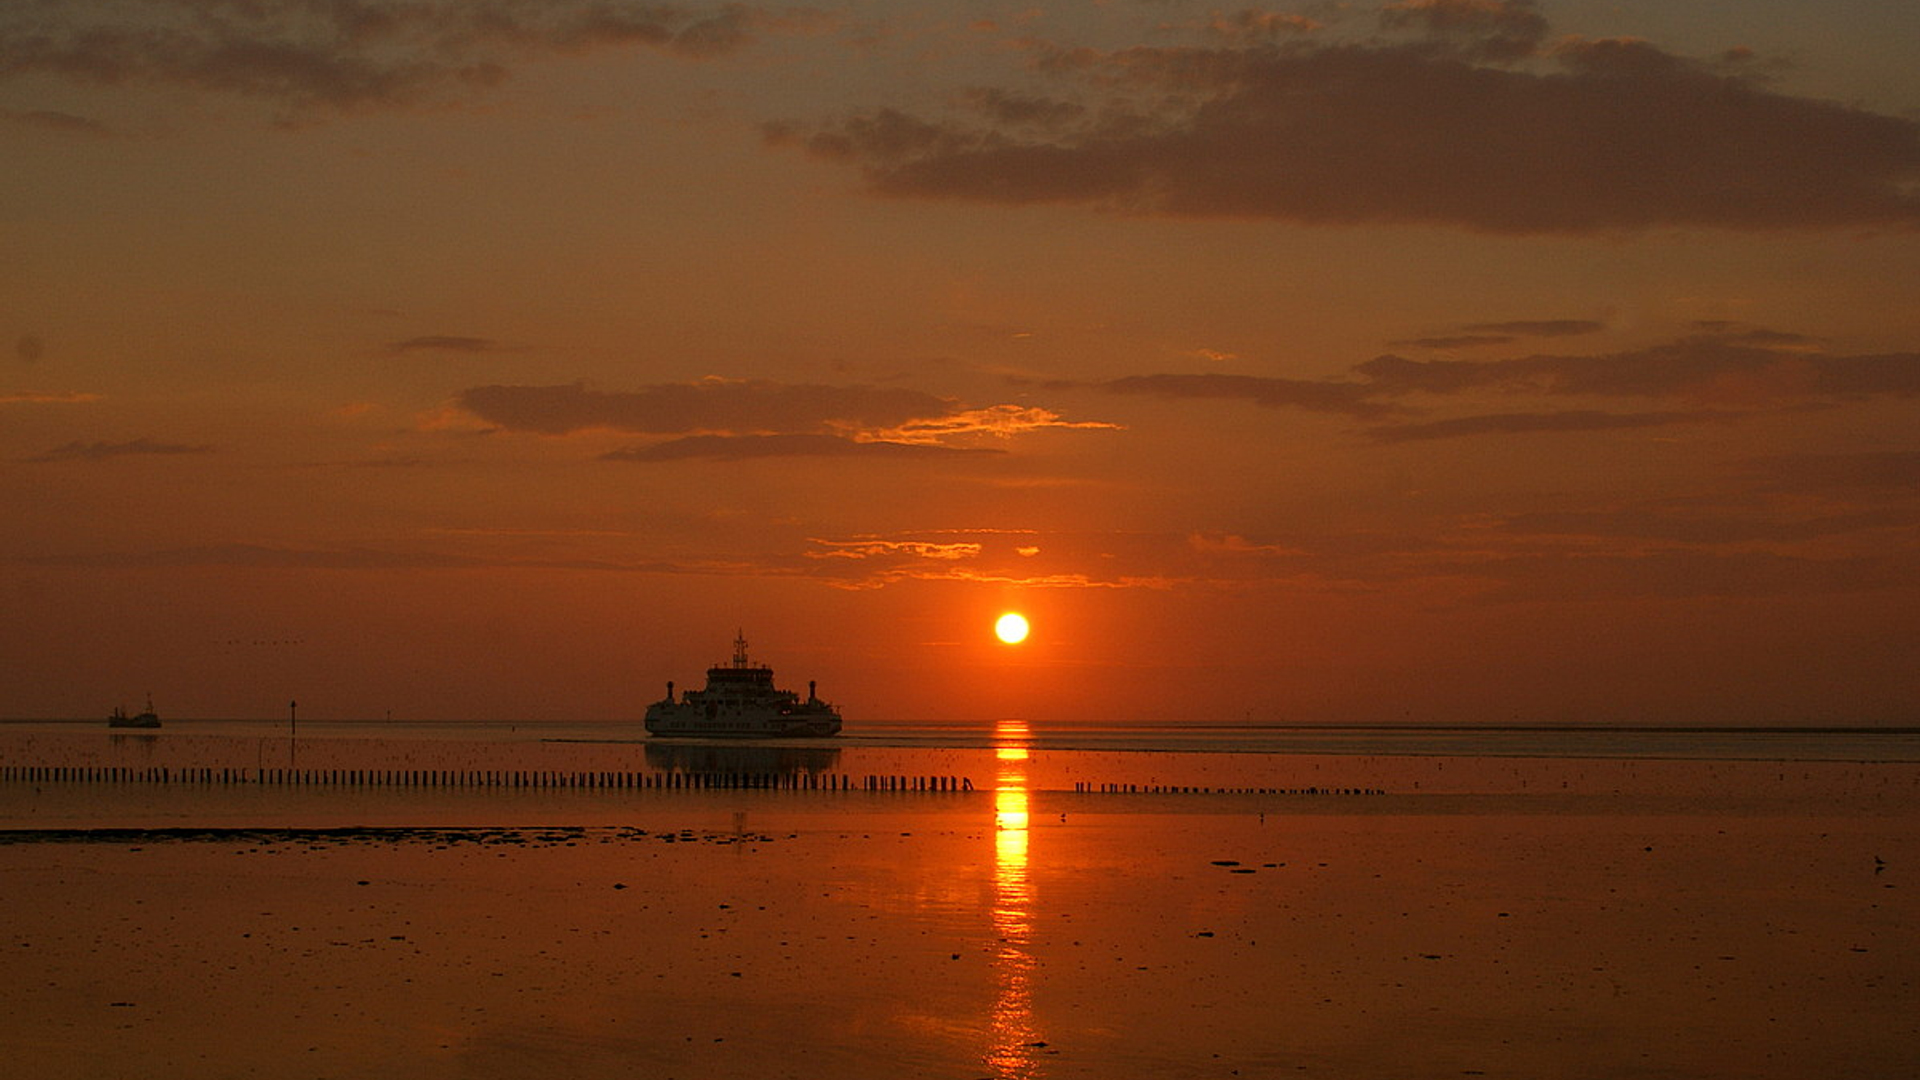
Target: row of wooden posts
{"type": "Point", "coordinates": [550, 778]}
{"type": "Point", "coordinates": [1176, 789]}
{"type": "Point", "coordinates": [515, 778]}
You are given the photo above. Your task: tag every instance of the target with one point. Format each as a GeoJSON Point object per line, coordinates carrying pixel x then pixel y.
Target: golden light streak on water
{"type": "Point", "coordinates": [1015, 1040]}
{"type": "Point", "coordinates": [1010, 744]}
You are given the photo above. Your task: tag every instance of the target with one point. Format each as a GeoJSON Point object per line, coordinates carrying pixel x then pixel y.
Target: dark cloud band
{"type": "Point", "coordinates": [1585, 136]}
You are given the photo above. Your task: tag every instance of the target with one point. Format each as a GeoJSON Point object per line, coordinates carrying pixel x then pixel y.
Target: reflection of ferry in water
{"type": "Point", "coordinates": [735, 759]}
{"type": "Point", "coordinates": [147, 719]}
{"type": "Point", "coordinates": [740, 701]}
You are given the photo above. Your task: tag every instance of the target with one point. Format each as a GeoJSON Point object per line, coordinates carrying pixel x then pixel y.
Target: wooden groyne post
{"type": "Point", "coordinates": [636, 780]}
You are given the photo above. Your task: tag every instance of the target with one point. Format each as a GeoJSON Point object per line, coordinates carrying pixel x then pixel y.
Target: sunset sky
{"type": "Point", "coordinates": [1434, 361]}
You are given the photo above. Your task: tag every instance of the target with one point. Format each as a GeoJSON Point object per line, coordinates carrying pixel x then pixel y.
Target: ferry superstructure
{"type": "Point", "coordinates": [740, 701]}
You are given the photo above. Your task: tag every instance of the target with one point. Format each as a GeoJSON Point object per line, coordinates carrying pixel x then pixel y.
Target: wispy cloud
{"type": "Point", "coordinates": [103, 451]}
{"type": "Point", "coordinates": [318, 56]}
{"type": "Point", "coordinates": [1454, 341]}
{"type": "Point", "coordinates": [757, 418]}
{"type": "Point", "coordinates": [1708, 522]}
{"type": "Point", "coordinates": [1535, 423]}
{"type": "Point", "coordinates": [1255, 26]}
{"type": "Point", "coordinates": [25, 397]}
{"type": "Point", "coordinates": [1466, 114]}
{"type": "Point", "coordinates": [746, 447]}
{"type": "Point", "coordinates": [250, 556]}
{"type": "Point", "coordinates": [1722, 376]}
{"type": "Point", "coordinates": [1487, 334]}
{"type": "Point", "coordinates": [1235, 544]}
{"type": "Point", "coordinates": [1888, 470]}
{"type": "Point", "coordinates": [1050, 560]}
{"type": "Point", "coordinates": [1687, 574]}
{"type": "Point", "coordinates": [1348, 398]}
{"type": "Point", "coordinates": [1679, 547]}
{"type": "Point", "coordinates": [446, 343]}
{"type": "Point", "coordinates": [1703, 368]}
{"type": "Point", "coordinates": [1740, 333]}
{"type": "Point", "coordinates": [1004, 421]}
{"type": "Point", "coordinates": [53, 120]}
{"type": "Point", "coordinates": [726, 406]}
{"type": "Point", "coordinates": [263, 556]}
{"type": "Point", "coordinates": [873, 547]}
{"type": "Point", "coordinates": [1485, 29]}
{"type": "Point", "coordinates": [1538, 327]}
{"type": "Point", "coordinates": [860, 562]}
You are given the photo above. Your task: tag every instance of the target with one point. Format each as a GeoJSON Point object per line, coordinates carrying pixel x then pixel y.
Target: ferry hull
{"type": "Point", "coordinates": [147, 719]}
{"type": "Point", "coordinates": [693, 721]}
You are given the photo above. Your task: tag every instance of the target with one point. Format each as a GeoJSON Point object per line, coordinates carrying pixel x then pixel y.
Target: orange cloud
{"type": "Point", "coordinates": [1093, 560]}
{"type": "Point", "coordinates": [1003, 421]}
{"type": "Point", "coordinates": [735, 419]}
{"type": "Point", "coordinates": [871, 548]}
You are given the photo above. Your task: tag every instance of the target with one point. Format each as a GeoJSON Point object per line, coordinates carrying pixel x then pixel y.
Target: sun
{"type": "Point", "coordinates": [1011, 628]}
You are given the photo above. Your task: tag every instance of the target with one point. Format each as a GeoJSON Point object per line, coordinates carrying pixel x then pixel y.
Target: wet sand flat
{"type": "Point", "coordinates": [997, 933]}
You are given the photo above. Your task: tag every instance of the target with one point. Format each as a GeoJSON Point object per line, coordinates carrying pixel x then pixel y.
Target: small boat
{"type": "Point", "coordinates": [740, 701]}
{"type": "Point", "coordinates": [146, 719]}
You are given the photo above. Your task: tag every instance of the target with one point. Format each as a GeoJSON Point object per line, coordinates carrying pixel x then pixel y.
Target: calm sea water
{"type": "Point", "coordinates": [472, 771]}
{"type": "Point", "coordinates": [1731, 743]}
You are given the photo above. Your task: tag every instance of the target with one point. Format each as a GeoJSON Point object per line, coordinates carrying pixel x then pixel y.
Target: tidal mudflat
{"type": "Point", "coordinates": [1729, 932]}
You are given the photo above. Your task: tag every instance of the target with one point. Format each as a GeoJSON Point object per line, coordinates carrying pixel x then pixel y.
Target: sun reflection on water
{"type": "Point", "coordinates": [1015, 1040]}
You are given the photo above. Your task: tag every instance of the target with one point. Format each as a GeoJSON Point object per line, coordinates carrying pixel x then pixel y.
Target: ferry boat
{"type": "Point", "coordinates": [147, 719]}
{"type": "Point", "coordinates": [740, 701]}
